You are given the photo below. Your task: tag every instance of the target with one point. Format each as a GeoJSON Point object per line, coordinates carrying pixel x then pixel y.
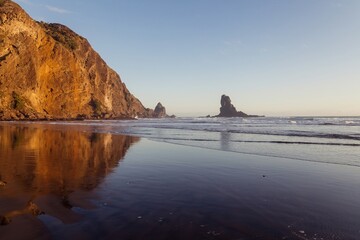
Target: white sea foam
{"type": "Point", "coordinates": [334, 140]}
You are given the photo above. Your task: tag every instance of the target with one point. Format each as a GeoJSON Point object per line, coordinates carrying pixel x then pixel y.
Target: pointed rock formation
{"type": "Point", "coordinates": [159, 111]}
{"type": "Point", "coordinates": [47, 71]}
{"type": "Point", "coordinates": [228, 110]}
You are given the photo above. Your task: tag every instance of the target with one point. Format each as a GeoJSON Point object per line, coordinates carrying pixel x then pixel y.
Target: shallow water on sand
{"type": "Point", "coordinates": [72, 182]}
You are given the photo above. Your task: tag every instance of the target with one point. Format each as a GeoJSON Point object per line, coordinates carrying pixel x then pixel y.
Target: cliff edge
{"type": "Point", "coordinates": [47, 71]}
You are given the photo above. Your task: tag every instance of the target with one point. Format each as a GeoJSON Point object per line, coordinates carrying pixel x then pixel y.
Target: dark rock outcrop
{"type": "Point", "coordinates": [159, 111]}
{"type": "Point", "coordinates": [47, 71]}
{"type": "Point", "coordinates": [228, 110]}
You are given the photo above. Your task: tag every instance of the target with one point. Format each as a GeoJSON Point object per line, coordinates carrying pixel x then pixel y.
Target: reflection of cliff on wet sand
{"type": "Point", "coordinates": [42, 164]}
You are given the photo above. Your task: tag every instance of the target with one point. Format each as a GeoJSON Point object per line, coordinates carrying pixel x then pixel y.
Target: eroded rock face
{"type": "Point", "coordinates": [228, 110]}
{"type": "Point", "coordinates": [49, 72]}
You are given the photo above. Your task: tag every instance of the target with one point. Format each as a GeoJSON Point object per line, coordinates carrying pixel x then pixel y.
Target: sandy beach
{"type": "Point", "coordinates": [72, 183]}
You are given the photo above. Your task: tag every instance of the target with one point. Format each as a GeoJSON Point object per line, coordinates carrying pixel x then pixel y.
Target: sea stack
{"type": "Point", "coordinates": [47, 71]}
{"type": "Point", "coordinates": [228, 110]}
{"type": "Point", "coordinates": [159, 111]}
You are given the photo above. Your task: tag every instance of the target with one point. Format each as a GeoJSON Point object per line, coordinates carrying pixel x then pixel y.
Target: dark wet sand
{"type": "Point", "coordinates": [76, 184]}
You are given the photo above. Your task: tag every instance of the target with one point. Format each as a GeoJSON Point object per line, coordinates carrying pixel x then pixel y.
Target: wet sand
{"type": "Point", "coordinates": [72, 183]}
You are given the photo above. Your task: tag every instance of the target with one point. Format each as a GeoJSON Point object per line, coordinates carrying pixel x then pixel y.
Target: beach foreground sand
{"type": "Point", "coordinates": [74, 183]}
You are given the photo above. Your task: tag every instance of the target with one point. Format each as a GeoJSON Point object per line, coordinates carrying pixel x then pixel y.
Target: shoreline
{"type": "Point", "coordinates": [300, 149]}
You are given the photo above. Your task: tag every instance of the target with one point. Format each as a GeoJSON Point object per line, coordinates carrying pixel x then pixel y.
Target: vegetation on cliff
{"type": "Point", "coordinates": [61, 34]}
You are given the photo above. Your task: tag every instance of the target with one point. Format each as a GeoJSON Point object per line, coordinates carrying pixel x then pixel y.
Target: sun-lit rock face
{"type": "Point", "coordinates": [49, 72]}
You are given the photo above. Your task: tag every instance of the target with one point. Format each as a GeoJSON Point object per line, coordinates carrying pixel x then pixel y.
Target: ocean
{"type": "Point", "coordinates": [319, 139]}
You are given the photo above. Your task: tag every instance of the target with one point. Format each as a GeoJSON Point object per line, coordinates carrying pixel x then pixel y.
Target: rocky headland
{"type": "Point", "coordinates": [47, 71]}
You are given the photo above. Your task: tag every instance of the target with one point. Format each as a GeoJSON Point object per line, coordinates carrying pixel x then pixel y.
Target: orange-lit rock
{"type": "Point", "coordinates": [49, 72]}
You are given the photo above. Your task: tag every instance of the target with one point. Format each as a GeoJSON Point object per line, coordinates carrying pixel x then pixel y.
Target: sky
{"type": "Point", "coordinates": [272, 57]}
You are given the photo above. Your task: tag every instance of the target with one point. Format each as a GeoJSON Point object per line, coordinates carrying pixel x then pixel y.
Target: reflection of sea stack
{"type": "Point", "coordinates": [228, 110]}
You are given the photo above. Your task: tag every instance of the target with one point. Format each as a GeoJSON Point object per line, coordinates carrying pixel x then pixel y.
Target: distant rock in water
{"type": "Point", "coordinates": [160, 112]}
{"type": "Point", "coordinates": [228, 110]}
{"type": "Point", "coordinates": [47, 71]}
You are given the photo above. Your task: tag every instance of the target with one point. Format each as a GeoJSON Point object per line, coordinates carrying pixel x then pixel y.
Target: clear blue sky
{"type": "Point", "coordinates": [272, 57]}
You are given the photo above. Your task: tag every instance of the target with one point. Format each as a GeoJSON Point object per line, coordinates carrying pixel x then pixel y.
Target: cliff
{"type": "Point", "coordinates": [47, 71]}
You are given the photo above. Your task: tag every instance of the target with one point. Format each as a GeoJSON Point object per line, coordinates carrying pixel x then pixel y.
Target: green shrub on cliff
{"type": "Point", "coordinates": [61, 34]}
{"type": "Point", "coordinates": [2, 2]}
{"type": "Point", "coordinates": [18, 102]}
